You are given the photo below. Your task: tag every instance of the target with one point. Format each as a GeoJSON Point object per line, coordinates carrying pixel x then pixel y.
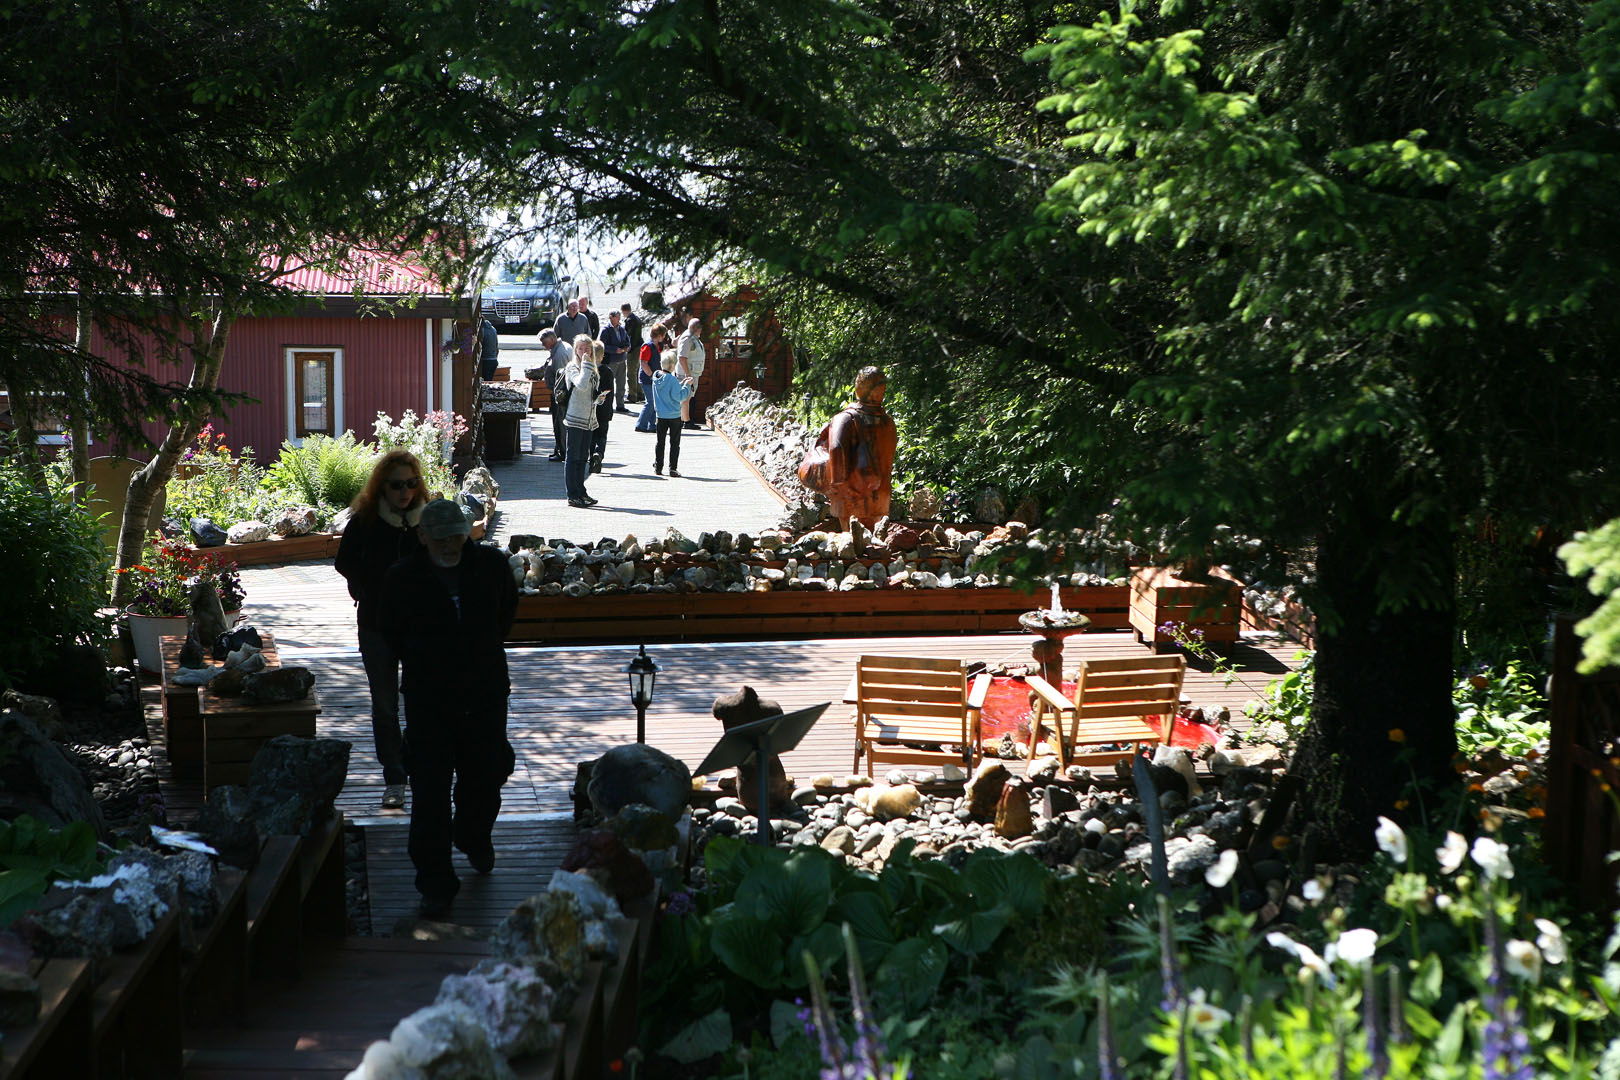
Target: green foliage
{"type": "Point", "coordinates": [1073, 928]}
{"type": "Point", "coordinates": [1504, 709]}
{"type": "Point", "coordinates": [33, 855]}
{"type": "Point", "coordinates": [56, 574]}
{"type": "Point", "coordinates": [1598, 553]}
{"type": "Point", "coordinates": [216, 483]}
{"type": "Point", "coordinates": [1284, 709]}
{"type": "Point", "coordinates": [324, 472]}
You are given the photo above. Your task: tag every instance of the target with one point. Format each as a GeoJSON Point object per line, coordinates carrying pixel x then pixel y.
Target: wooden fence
{"type": "Point", "coordinates": [1582, 826]}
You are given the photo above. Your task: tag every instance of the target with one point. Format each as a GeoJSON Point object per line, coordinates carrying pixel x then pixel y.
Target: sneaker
{"type": "Point", "coordinates": [580, 503]}
{"type": "Point", "coordinates": [589, 501]}
{"type": "Point", "coordinates": [554, 457]}
{"type": "Point", "coordinates": [393, 797]}
{"type": "Point", "coordinates": [672, 472]}
{"type": "Point", "coordinates": [622, 409]}
{"type": "Point", "coordinates": [692, 425]}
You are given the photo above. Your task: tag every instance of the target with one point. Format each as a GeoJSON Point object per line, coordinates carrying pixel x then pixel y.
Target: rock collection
{"type": "Point", "coordinates": [1069, 820]}
{"type": "Point", "coordinates": [773, 441]}
{"type": "Point", "coordinates": [890, 555]}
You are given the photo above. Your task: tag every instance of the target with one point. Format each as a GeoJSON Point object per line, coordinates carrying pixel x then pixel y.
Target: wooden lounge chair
{"type": "Point", "coordinates": [1130, 700]}
{"type": "Point", "coordinates": [916, 711]}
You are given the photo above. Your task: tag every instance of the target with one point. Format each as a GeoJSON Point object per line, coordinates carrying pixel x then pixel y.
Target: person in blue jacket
{"type": "Point", "coordinates": [669, 391]}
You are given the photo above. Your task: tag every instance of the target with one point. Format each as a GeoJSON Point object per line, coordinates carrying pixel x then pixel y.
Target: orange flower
{"type": "Point", "coordinates": [1401, 804]}
{"type": "Point", "coordinates": [1396, 735]}
{"type": "Point", "coordinates": [1475, 786]}
{"type": "Point", "coordinates": [1279, 842]}
{"type": "Point", "coordinates": [1535, 812]}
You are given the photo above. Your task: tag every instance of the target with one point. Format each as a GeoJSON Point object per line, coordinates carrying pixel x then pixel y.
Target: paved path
{"type": "Point", "coordinates": [715, 490]}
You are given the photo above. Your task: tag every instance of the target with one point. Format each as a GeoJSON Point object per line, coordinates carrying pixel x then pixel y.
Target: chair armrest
{"type": "Point", "coordinates": [977, 692]}
{"type": "Point", "coordinates": [852, 692]}
{"type": "Point", "coordinates": [1048, 693]}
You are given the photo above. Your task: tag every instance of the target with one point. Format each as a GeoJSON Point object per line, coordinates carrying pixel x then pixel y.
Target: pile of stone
{"type": "Point", "coordinates": [1064, 818]}
{"type": "Point", "coordinates": [294, 521]}
{"type": "Point", "coordinates": [771, 438]}
{"type": "Point", "coordinates": [892, 555]}
{"type": "Point", "coordinates": [502, 398]}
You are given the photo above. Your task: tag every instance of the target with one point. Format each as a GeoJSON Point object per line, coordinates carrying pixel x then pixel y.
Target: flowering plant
{"type": "Point", "coordinates": [215, 483]}
{"type": "Point", "coordinates": [431, 438]}
{"type": "Point", "coordinates": [165, 579]}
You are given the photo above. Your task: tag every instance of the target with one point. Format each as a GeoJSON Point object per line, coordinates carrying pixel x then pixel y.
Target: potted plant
{"type": "Point", "coordinates": [162, 597]}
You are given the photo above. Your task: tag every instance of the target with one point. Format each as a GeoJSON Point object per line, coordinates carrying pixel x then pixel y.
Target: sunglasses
{"type": "Point", "coordinates": [405, 485]}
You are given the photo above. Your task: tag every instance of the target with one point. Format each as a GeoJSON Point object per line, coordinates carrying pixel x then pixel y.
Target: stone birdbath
{"type": "Point", "coordinates": [1050, 626]}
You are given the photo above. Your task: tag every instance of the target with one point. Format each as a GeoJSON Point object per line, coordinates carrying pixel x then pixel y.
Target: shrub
{"type": "Point", "coordinates": [430, 438]}
{"type": "Point", "coordinates": [325, 473]}
{"type": "Point", "coordinates": [214, 483]}
{"type": "Point", "coordinates": [56, 574]}
{"type": "Point", "coordinates": [1504, 709]}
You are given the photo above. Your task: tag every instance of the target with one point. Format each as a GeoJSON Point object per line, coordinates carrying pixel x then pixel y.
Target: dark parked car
{"type": "Point", "coordinates": [526, 298]}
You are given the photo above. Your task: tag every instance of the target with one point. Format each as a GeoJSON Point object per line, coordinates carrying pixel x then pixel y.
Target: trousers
{"type": "Point", "coordinates": [670, 429]}
{"type": "Point", "coordinates": [382, 675]}
{"type": "Point", "coordinates": [458, 757]}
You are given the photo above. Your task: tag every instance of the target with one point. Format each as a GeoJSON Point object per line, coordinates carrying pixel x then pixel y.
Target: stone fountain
{"type": "Point", "coordinates": [1050, 626]}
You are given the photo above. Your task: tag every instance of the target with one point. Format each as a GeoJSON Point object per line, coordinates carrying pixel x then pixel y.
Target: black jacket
{"type": "Point", "coordinates": [445, 652]}
{"type": "Point", "coordinates": [365, 553]}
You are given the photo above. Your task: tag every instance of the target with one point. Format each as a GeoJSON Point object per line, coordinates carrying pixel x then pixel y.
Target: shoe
{"type": "Point", "coordinates": [554, 457]}
{"type": "Point", "coordinates": [596, 469]}
{"type": "Point", "coordinates": [622, 409]}
{"type": "Point", "coordinates": [589, 501]}
{"type": "Point", "coordinates": [393, 797]}
{"type": "Point", "coordinates": [658, 470]}
{"type": "Point", "coordinates": [581, 503]}
{"type": "Point", "coordinates": [481, 858]}
{"type": "Point", "coordinates": [672, 472]}
{"type": "Point", "coordinates": [692, 425]}
{"type": "Point", "coordinates": [434, 907]}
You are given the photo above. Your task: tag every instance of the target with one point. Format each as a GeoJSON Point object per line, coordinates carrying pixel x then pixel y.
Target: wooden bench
{"type": "Point", "coordinates": [136, 1015]}
{"type": "Point", "coordinates": [58, 1043]}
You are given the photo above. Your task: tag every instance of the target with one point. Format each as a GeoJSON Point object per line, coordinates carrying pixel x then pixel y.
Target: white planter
{"type": "Point", "coordinates": [147, 630]}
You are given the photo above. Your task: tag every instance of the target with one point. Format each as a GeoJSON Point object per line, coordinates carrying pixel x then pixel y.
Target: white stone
{"type": "Point", "coordinates": [590, 894]}
{"type": "Point", "coordinates": [511, 1002]}
{"type": "Point", "coordinates": [248, 532]}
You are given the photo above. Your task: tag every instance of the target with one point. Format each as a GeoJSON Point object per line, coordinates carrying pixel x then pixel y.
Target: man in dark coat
{"type": "Point", "coordinates": [633, 326]}
{"type": "Point", "coordinates": [446, 610]}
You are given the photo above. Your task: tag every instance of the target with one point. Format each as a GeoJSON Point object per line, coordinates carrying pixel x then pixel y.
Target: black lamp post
{"type": "Point", "coordinates": [643, 674]}
{"type": "Point", "coordinates": [759, 374]}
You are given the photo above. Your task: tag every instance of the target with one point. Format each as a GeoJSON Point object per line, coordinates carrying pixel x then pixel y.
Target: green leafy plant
{"type": "Point", "coordinates": [324, 472]}
{"type": "Point", "coordinates": [33, 855]}
{"type": "Point", "coordinates": [1503, 708]}
{"type": "Point", "coordinates": [215, 483]}
{"type": "Point", "coordinates": [164, 581]}
{"type": "Point", "coordinates": [1284, 707]}
{"type": "Point", "coordinates": [56, 574]}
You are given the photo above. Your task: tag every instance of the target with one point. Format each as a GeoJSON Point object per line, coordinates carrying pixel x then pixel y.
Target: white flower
{"type": "Point", "coordinates": [1312, 890]}
{"type": "Point", "coordinates": [1451, 852]}
{"type": "Point", "coordinates": [1443, 901]}
{"type": "Point", "coordinates": [1551, 941]}
{"type": "Point", "coordinates": [1204, 1018]}
{"type": "Point", "coordinates": [1522, 959]}
{"type": "Point", "coordinates": [1357, 946]}
{"type": "Point", "coordinates": [1391, 839]}
{"type": "Point", "coordinates": [1492, 858]}
{"type": "Point", "coordinates": [1306, 955]}
{"type": "Point", "coordinates": [1220, 872]}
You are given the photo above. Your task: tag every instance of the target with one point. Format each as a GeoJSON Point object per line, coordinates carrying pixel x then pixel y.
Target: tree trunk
{"type": "Point", "coordinates": [1383, 728]}
{"type": "Point", "coordinates": [207, 342]}
{"type": "Point", "coordinates": [77, 407]}
{"type": "Point", "coordinates": [27, 437]}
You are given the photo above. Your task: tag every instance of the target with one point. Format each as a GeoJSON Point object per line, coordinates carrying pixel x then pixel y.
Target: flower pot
{"type": "Point", "coordinates": [146, 631]}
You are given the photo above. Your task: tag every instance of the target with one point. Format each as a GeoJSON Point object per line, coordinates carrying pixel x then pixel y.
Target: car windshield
{"type": "Point", "coordinates": [529, 273]}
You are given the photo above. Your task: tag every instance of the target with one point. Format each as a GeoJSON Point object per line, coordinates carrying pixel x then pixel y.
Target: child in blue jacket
{"type": "Point", "coordinates": [669, 390]}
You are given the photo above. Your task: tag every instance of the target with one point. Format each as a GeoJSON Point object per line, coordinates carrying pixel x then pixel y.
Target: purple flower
{"type": "Point", "coordinates": [679, 903]}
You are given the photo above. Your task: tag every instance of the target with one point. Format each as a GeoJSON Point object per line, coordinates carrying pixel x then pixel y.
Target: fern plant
{"type": "Point", "coordinates": [324, 472]}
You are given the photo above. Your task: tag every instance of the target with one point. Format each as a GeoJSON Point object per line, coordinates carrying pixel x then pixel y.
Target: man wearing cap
{"type": "Point", "coordinates": [446, 610]}
{"type": "Point", "coordinates": [555, 372]}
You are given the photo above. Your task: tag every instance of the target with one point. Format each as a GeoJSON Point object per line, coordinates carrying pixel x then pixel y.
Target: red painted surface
{"type": "Point", "coordinates": [385, 367]}
{"type": "Point", "coordinates": [1006, 711]}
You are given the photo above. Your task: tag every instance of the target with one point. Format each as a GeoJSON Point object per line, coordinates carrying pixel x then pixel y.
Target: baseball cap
{"type": "Point", "coordinates": [442, 518]}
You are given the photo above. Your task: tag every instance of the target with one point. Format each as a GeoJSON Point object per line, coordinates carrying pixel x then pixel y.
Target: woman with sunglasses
{"type": "Point", "coordinates": [382, 531]}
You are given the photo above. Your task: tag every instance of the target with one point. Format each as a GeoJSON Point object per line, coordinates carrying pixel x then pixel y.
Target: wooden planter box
{"type": "Point", "coordinates": [58, 1043]}
{"type": "Point", "coordinates": [717, 615]}
{"type": "Point", "coordinates": [280, 549]}
{"type": "Point", "coordinates": [1159, 596]}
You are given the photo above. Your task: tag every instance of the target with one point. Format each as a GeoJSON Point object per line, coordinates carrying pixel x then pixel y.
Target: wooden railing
{"type": "Point", "coordinates": [1582, 826]}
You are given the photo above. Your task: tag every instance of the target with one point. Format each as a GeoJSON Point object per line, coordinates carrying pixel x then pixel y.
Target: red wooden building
{"type": "Point", "coordinates": [370, 339]}
{"type": "Point", "coordinates": [745, 343]}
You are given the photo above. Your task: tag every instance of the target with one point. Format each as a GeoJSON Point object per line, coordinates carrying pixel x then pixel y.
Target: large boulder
{"type": "Point", "coordinates": [295, 521]}
{"type": "Point", "coordinates": [638, 773]}
{"type": "Point", "coordinates": [278, 686]}
{"type": "Point", "coordinates": [512, 1003]}
{"type": "Point", "coordinates": [228, 824]}
{"type": "Point", "coordinates": [442, 1041]}
{"type": "Point", "coordinates": [293, 782]}
{"type": "Point", "coordinates": [37, 778]}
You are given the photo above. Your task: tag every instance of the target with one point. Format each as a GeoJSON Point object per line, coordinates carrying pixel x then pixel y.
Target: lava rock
{"type": "Point", "coordinates": [638, 773]}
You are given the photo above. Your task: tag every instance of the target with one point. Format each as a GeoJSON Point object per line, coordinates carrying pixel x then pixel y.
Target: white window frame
{"type": "Point", "coordinates": [290, 370]}
{"type": "Point", "coordinates": [55, 437]}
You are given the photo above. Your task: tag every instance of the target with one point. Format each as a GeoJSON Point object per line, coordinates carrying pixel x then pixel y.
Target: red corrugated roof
{"type": "Point", "coordinates": [375, 274]}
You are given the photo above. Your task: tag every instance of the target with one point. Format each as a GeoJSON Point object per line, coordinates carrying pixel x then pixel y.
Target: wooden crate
{"type": "Point", "coordinates": [233, 731]}
{"type": "Point", "coordinates": [1159, 596]}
